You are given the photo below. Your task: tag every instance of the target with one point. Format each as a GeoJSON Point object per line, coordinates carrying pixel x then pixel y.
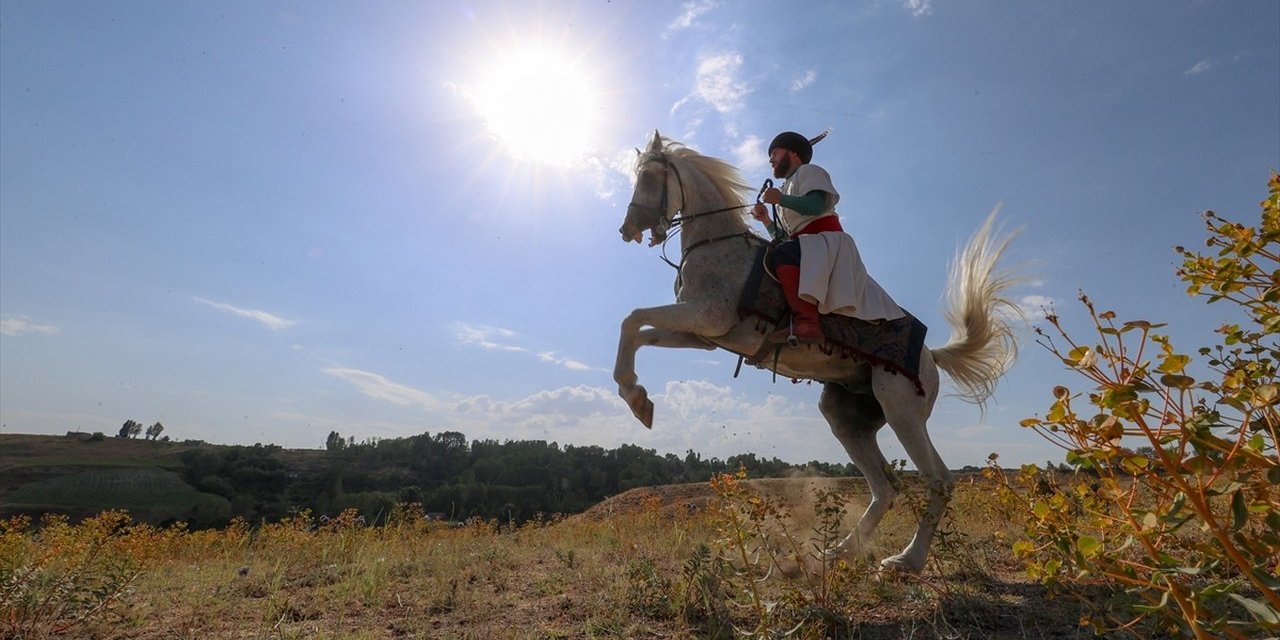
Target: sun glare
{"type": "Point", "coordinates": [540, 105]}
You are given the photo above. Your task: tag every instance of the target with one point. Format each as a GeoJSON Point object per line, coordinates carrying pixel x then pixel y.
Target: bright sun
{"type": "Point", "coordinates": [540, 104]}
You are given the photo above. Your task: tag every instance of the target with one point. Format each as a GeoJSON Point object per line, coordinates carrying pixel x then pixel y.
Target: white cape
{"type": "Point", "coordinates": [833, 277]}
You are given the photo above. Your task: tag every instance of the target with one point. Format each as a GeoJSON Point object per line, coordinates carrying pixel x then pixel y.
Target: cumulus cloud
{"type": "Point", "coordinates": [918, 8]}
{"type": "Point", "coordinates": [580, 401]}
{"type": "Point", "coordinates": [804, 80]}
{"type": "Point", "coordinates": [717, 82]}
{"type": "Point", "coordinates": [380, 388]}
{"type": "Point", "coordinates": [689, 13]}
{"type": "Point", "coordinates": [1198, 68]}
{"type": "Point", "coordinates": [691, 410]}
{"type": "Point", "coordinates": [689, 399]}
{"type": "Point", "coordinates": [713, 419]}
{"type": "Point", "coordinates": [691, 414]}
{"type": "Point", "coordinates": [566, 412]}
{"type": "Point", "coordinates": [269, 320]}
{"type": "Point", "coordinates": [19, 325]}
{"type": "Point", "coordinates": [749, 155]}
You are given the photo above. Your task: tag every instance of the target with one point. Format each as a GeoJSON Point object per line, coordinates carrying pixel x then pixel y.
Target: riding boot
{"type": "Point", "coordinates": [805, 327]}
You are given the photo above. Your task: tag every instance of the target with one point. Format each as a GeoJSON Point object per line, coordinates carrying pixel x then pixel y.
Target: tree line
{"type": "Point", "coordinates": [132, 428]}
{"type": "Point", "coordinates": [450, 476]}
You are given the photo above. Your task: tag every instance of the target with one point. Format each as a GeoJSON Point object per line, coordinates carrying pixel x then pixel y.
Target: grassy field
{"type": "Point", "coordinates": [80, 477]}
{"type": "Point", "coordinates": [20, 451]}
{"type": "Point", "coordinates": [148, 494]}
{"type": "Point", "coordinates": [664, 562]}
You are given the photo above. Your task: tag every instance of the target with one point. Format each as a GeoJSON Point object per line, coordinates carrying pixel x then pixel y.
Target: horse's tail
{"type": "Point", "coordinates": [983, 342]}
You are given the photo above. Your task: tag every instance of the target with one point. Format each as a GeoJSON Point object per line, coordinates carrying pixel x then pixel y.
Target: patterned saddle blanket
{"type": "Point", "coordinates": [892, 344]}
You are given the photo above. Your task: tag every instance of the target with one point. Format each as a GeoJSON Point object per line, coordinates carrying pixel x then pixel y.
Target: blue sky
{"type": "Point", "coordinates": [266, 221]}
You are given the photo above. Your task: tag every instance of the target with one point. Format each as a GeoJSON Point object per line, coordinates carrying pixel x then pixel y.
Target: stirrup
{"type": "Point", "coordinates": [791, 339]}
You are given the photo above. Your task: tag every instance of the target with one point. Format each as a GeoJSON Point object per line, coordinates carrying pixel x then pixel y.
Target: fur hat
{"type": "Point", "coordinates": [793, 141]}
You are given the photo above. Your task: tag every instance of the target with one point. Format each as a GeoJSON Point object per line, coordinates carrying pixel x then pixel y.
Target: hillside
{"type": "Point", "coordinates": [79, 476]}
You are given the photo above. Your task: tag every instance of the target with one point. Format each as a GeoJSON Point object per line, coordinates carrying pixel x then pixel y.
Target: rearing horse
{"type": "Point", "coordinates": [678, 186]}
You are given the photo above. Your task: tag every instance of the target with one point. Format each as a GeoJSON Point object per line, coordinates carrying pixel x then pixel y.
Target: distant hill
{"type": "Point", "coordinates": [78, 475]}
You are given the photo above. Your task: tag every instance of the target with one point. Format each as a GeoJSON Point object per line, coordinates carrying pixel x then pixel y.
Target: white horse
{"type": "Point", "coordinates": [704, 197]}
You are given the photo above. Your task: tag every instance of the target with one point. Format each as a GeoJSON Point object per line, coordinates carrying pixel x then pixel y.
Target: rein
{"type": "Point", "coordinates": [685, 252]}
{"type": "Point", "coordinates": [677, 219]}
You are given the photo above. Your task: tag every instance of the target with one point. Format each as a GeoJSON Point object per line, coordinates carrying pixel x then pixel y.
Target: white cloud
{"type": "Point", "coordinates": [717, 89]}
{"type": "Point", "coordinates": [380, 388]}
{"type": "Point", "coordinates": [610, 172]}
{"type": "Point", "coordinates": [804, 80]}
{"type": "Point", "coordinates": [555, 413]}
{"type": "Point", "coordinates": [717, 82]}
{"type": "Point", "coordinates": [1198, 68]}
{"type": "Point", "coordinates": [485, 337]}
{"type": "Point", "coordinates": [269, 320]}
{"type": "Point", "coordinates": [691, 399]}
{"type": "Point", "coordinates": [712, 419]}
{"type": "Point", "coordinates": [20, 325]}
{"type": "Point", "coordinates": [749, 155]}
{"type": "Point", "coordinates": [568, 363]}
{"type": "Point", "coordinates": [918, 8]}
{"type": "Point", "coordinates": [690, 12]}
{"type": "Point", "coordinates": [580, 400]}
{"type": "Point", "coordinates": [499, 339]}
{"type": "Point", "coordinates": [1035, 307]}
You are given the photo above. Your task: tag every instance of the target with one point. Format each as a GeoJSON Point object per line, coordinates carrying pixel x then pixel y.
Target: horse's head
{"type": "Point", "coordinates": [651, 208]}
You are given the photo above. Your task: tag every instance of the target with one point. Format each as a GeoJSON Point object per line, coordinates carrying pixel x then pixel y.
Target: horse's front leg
{"type": "Point", "coordinates": [680, 326]}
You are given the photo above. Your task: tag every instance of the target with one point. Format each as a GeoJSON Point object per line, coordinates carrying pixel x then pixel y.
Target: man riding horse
{"type": "Point", "coordinates": [677, 186]}
{"type": "Point", "coordinates": [814, 260]}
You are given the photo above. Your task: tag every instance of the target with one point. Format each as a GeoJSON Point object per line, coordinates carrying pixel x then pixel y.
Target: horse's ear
{"type": "Point", "coordinates": [656, 145]}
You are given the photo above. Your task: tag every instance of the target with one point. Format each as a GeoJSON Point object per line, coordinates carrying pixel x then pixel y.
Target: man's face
{"type": "Point", "coordinates": [782, 162]}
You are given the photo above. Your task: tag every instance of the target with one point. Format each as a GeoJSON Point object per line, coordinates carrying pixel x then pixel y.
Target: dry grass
{"type": "Point", "coordinates": [620, 571]}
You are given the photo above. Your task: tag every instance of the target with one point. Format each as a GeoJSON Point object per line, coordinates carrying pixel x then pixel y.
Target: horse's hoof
{"type": "Point", "coordinates": [642, 407]}
{"type": "Point", "coordinates": [899, 564]}
{"type": "Point", "coordinates": [645, 414]}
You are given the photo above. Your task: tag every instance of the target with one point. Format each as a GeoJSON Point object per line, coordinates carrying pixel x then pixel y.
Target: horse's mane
{"type": "Point", "coordinates": [723, 176]}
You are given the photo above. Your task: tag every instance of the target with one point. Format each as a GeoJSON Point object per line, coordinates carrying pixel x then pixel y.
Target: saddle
{"type": "Point", "coordinates": [891, 344]}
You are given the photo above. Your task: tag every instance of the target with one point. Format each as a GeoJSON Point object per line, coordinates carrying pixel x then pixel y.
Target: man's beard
{"type": "Point", "coordinates": [783, 168]}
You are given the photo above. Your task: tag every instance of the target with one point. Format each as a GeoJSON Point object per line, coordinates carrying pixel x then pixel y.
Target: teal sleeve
{"type": "Point", "coordinates": [809, 204]}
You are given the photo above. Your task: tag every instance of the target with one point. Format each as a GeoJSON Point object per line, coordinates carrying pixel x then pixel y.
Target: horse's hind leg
{"type": "Point", "coordinates": [855, 419]}
{"type": "Point", "coordinates": [907, 413]}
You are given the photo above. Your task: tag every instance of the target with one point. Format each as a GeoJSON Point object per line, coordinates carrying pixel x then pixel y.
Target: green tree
{"type": "Point", "coordinates": [130, 429]}
{"type": "Point", "coordinates": [153, 431]}
{"type": "Point", "coordinates": [334, 442]}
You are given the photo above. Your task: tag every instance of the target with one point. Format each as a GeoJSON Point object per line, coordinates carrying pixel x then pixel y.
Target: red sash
{"type": "Point", "coordinates": [818, 225]}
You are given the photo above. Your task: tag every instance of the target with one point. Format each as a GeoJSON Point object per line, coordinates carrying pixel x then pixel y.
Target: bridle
{"type": "Point", "coordinates": [672, 219]}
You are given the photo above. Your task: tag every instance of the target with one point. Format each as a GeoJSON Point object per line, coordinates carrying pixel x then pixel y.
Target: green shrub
{"type": "Point", "coordinates": [1188, 522]}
